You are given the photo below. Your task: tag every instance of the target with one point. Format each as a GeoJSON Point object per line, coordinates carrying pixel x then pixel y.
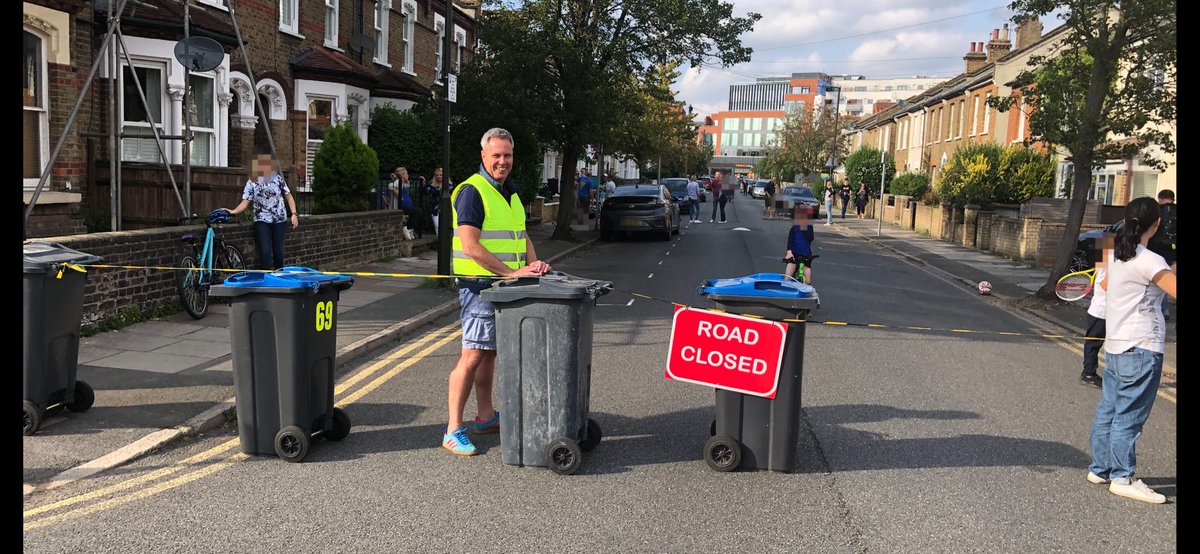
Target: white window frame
{"type": "Point", "coordinates": [383, 10]}
{"type": "Point", "coordinates": [164, 104]}
{"type": "Point", "coordinates": [306, 184]}
{"type": "Point", "coordinates": [291, 27]}
{"type": "Point", "coordinates": [975, 117]}
{"type": "Point", "coordinates": [987, 115]}
{"type": "Point", "coordinates": [1020, 120]}
{"type": "Point", "coordinates": [219, 4]}
{"type": "Point", "coordinates": [409, 11]}
{"type": "Point", "coordinates": [331, 11]}
{"type": "Point", "coordinates": [43, 119]}
{"type": "Point", "coordinates": [460, 37]}
{"type": "Point", "coordinates": [439, 30]}
{"type": "Point", "coordinates": [962, 117]}
{"type": "Point", "coordinates": [938, 136]}
{"type": "Point", "coordinates": [216, 115]}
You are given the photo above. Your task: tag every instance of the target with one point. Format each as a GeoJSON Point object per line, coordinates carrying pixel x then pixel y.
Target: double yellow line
{"type": "Point", "coordinates": [430, 343]}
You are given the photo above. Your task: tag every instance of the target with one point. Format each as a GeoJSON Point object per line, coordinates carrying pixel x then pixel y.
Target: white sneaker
{"type": "Point", "coordinates": [712, 221]}
{"type": "Point", "coordinates": [827, 223]}
{"type": "Point", "coordinates": [1096, 479]}
{"type": "Point", "coordinates": [1136, 490]}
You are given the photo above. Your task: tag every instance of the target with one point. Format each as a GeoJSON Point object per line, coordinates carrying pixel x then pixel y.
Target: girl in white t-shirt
{"type": "Point", "coordinates": [1133, 352]}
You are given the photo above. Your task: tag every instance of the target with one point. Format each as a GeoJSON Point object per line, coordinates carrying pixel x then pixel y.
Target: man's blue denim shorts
{"type": "Point", "coordinates": [478, 321]}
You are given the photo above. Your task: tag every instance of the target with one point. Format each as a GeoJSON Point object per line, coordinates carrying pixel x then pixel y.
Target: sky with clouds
{"type": "Point", "coordinates": [874, 38]}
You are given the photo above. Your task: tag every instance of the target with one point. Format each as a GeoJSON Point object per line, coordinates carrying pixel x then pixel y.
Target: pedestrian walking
{"type": "Point", "coordinates": [489, 241]}
{"type": "Point", "coordinates": [861, 199]}
{"type": "Point", "coordinates": [829, 205]}
{"type": "Point", "coordinates": [715, 188]}
{"type": "Point", "coordinates": [844, 197]}
{"type": "Point", "coordinates": [434, 191]}
{"type": "Point", "coordinates": [267, 192]}
{"type": "Point", "coordinates": [726, 193]}
{"type": "Point", "coordinates": [769, 199]}
{"type": "Point", "coordinates": [693, 191]}
{"type": "Point", "coordinates": [583, 196]}
{"type": "Point", "coordinates": [1133, 353]}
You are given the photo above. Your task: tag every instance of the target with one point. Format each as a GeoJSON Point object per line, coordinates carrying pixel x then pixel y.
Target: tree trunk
{"type": "Point", "coordinates": [1070, 239]}
{"type": "Point", "coordinates": [567, 196]}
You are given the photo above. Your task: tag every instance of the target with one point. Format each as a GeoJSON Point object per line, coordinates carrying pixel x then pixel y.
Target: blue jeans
{"type": "Point", "coordinates": [829, 211]}
{"type": "Point", "coordinates": [268, 237]}
{"type": "Point", "coordinates": [1130, 385]}
{"type": "Point", "coordinates": [695, 208]}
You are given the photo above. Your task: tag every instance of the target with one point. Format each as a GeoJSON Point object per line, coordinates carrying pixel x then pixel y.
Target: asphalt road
{"type": "Point", "coordinates": [912, 441]}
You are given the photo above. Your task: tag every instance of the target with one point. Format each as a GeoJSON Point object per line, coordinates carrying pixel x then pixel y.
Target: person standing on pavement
{"type": "Point", "coordinates": [267, 192]}
{"type": "Point", "coordinates": [1133, 353]}
{"type": "Point", "coordinates": [860, 201]}
{"type": "Point", "coordinates": [769, 199]}
{"type": "Point", "coordinates": [489, 241]}
{"type": "Point", "coordinates": [693, 191]}
{"type": "Point", "coordinates": [1094, 319]}
{"type": "Point", "coordinates": [434, 191]}
{"type": "Point", "coordinates": [404, 202]}
{"type": "Point", "coordinates": [717, 188]}
{"type": "Point", "coordinates": [829, 205]}
{"type": "Point", "coordinates": [844, 198]}
{"type": "Point", "coordinates": [584, 196]}
{"type": "Point", "coordinates": [1163, 242]}
{"type": "Point", "coordinates": [726, 195]}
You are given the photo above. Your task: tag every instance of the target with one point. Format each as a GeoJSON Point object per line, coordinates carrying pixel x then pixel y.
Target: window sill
{"type": "Point", "coordinates": [287, 31]}
{"type": "Point", "coordinates": [408, 72]}
{"type": "Point", "coordinates": [384, 64]}
{"type": "Point", "coordinates": [49, 197]}
{"type": "Point", "coordinates": [334, 47]}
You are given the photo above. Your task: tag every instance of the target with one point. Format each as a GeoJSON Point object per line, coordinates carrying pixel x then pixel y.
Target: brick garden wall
{"type": "Point", "coordinates": [328, 242]}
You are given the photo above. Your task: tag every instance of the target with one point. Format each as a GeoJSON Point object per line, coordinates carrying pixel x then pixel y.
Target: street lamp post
{"type": "Point", "coordinates": [833, 146]}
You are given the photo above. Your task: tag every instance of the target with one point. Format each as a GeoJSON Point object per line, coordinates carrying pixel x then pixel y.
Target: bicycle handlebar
{"type": "Point", "coordinates": [792, 260]}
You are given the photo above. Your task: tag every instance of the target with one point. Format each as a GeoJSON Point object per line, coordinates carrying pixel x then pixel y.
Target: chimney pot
{"type": "Point", "coordinates": [995, 34]}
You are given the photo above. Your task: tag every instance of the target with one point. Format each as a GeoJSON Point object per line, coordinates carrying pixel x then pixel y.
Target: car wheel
{"type": "Point", "coordinates": [1080, 260]}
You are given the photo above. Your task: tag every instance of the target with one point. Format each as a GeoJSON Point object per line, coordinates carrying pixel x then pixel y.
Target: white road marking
{"type": "Point", "coordinates": [651, 276]}
{"type": "Point", "coordinates": [630, 301]}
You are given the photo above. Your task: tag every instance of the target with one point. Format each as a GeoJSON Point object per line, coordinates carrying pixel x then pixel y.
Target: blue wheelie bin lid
{"type": "Point", "coordinates": [762, 290]}
{"type": "Point", "coordinates": [43, 257]}
{"type": "Point", "coordinates": [292, 279]}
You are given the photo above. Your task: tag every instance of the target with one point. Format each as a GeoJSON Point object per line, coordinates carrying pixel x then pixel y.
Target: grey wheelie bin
{"type": "Point", "coordinates": [283, 327]}
{"type": "Point", "coordinates": [753, 432]}
{"type": "Point", "coordinates": [544, 367]}
{"type": "Point", "coordinates": [51, 310]}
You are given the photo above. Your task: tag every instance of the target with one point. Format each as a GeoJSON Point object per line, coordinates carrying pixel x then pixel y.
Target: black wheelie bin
{"type": "Point", "coordinates": [544, 367]}
{"type": "Point", "coordinates": [753, 432]}
{"type": "Point", "coordinates": [52, 310]}
{"type": "Point", "coordinates": [283, 329]}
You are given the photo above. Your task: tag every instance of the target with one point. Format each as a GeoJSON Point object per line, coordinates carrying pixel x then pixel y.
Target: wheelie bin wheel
{"type": "Point", "coordinates": [722, 453]}
{"type": "Point", "coordinates": [563, 456]}
{"type": "Point", "coordinates": [33, 419]}
{"type": "Point", "coordinates": [291, 443]}
{"type": "Point", "coordinates": [593, 436]}
{"type": "Point", "coordinates": [341, 425]}
{"type": "Point", "coordinates": [84, 397]}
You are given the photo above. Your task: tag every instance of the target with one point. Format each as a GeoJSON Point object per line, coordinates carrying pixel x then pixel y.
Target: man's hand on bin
{"type": "Point", "coordinates": [534, 269]}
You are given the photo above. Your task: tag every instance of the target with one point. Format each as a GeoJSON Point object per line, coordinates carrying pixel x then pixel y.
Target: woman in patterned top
{"type": "Point", "coordinates": [267, 192]}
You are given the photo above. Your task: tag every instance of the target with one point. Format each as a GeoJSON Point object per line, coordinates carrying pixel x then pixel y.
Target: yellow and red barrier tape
{"type": "Point", "coordinates": [638, 295]}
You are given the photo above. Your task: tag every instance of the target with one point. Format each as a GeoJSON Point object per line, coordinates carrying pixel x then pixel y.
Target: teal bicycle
{"type": "Point", "coordinates": [197, 272]}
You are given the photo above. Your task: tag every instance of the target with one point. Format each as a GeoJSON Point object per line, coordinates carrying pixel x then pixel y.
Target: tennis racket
{"type": "Point", "coordinates": [1074, 286]}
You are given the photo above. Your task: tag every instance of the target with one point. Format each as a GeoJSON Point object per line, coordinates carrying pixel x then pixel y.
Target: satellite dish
{"type": "Point", "coordinates": [362, 41]}
{"type": "Point", "coordinates": [199, 53]}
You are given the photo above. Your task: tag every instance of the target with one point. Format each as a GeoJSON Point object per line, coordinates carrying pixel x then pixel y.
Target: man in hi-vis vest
{"type": "Point", "coordinates": [489, 240]}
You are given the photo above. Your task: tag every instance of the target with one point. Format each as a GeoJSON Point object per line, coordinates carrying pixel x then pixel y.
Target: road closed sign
{"type": "Point", "coordinates": [724, 351]}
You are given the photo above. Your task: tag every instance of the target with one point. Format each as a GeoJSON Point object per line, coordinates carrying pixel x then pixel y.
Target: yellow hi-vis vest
{"type": "Point", "coordinates": [503, 232]}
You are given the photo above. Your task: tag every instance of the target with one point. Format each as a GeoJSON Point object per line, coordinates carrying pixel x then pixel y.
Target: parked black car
{"type": "Point", "coordinates": [1087, 252]}
{"type": "Point", "coordinates": [793, 195]}
{"type": "Point", "coordinates": [640, 208]}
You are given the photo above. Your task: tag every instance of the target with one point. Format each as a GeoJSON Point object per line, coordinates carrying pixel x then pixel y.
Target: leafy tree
{"type": "Point", "coordinates": [1112, 76]}
{"type": "Point", "coordinates": [910, 184]}
{"type": "Point", "coordinates": [408, 138]}
{"type": "Point", "coordinates": [1024, 173]}
{"type": "Point", "coordinates": [806, 141]}
{"type": "Point", "coordinates": [971, 175]}
{"type": "Point", "coordinates": [566, 66]}
{"type": "Point", "coordinates": [863, 167]}
{"type": "Point", "coordinates": [344, 172]}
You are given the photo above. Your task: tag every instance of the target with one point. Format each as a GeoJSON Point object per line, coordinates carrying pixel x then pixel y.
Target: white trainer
{"type": "Point", "coordinates": [1137, 490]}
{"type": "Point", "coordinates": [1096, 479]}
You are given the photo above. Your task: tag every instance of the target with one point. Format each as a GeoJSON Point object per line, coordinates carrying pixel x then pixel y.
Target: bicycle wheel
{"type": "Point", "coordinates": [193, 293]}
{"type": "Point", "coordinates": [229, 258]}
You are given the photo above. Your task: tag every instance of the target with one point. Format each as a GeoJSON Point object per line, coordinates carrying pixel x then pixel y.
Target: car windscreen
{"type": "Point", "coordinates": [676, 186]}
{"type": "Point", "coordinates": [799, 191]}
